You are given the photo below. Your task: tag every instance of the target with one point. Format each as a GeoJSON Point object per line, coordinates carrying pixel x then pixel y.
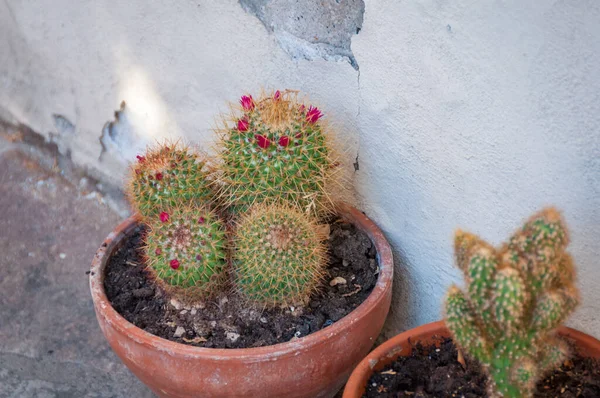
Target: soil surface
{"type": "Point", "coordinates": [225, 321]}
{"type": "Point", "coordinates": [433, 371]}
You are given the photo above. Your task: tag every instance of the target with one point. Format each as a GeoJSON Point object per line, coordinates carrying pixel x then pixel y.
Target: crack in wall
{"type": "Point", "coordinates": [308, 31]}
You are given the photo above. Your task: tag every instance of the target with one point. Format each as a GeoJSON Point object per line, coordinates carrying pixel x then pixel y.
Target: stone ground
{"type": "Point", "coordinates": [50, 343]}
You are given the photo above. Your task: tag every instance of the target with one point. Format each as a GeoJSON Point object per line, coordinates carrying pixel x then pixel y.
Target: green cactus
{"type": "Point", "coordinates": [515, 298]}
{"type": "Point", "coordinates": [166, 176]}
{"type": "Point", "coordinates": [279, 258]}
{"type": "Point", "coordinates": [276, 150]}
{"type": "Point", "coordinates": [185, 251]}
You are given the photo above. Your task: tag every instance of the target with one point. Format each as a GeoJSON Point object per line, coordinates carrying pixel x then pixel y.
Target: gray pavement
{"type": "Point", "coordinates": [50, 342]}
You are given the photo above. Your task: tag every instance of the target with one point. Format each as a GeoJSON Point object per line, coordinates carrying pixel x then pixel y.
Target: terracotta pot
{"type": "Point", "coordinates": [313, 366]}
{"type": "Point", "coordinates": [399, 345]}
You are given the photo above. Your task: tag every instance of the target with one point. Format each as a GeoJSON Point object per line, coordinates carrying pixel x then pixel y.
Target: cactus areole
{"type": "Point", "coordinates": [515, 298]}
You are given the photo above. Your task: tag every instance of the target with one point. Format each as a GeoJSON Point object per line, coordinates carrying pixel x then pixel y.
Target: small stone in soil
{"type": "Point", "coordinates": [338, 280]}
{"type": "Point", "coordinates": [143, 292]}
{"type": "Point", "coordinates": [176, 304]}
{"type": "Point", "coordinates": [180, 331]}
{"type": "Point", "coordinates": [232, 336]}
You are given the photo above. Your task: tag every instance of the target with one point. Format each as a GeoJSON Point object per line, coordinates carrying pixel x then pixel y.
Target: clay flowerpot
{"type": "Point", "coordinates": [313, 366]}
{"type": "Point", "coordinates": [399, 345]}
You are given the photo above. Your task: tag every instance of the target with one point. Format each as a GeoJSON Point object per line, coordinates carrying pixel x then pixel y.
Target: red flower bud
{"type": "Point", "coordinates": [262, 141]}
{"type": "Point", "coordinates": [159, 176]}
{"type": "Point", "coordinates": [277, 95]}
{"type": "Point", "coordinates": [247, 102]}
{"type": "Point", "coordinates": [243, 124]}
{"type": "Point", "coordinates": [313, 115]}
{"type": "Point", "coordinates": [174, 263]}
{"type": "Point", "coordinates": [284, 140]}
{"type": "Point", "coordinates": [198, 257]}
{"type": "Point", "coordinates": [164, 216]}
{"type": "Point", "coordinates": [201, 220]}
{"type": "Point", "coordinates": [141, 159]}
{"type": "Point", "coordinates": [157, 251]}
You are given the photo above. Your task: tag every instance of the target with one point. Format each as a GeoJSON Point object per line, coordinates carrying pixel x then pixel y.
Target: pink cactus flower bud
{"type": "Point", "coordinates": [243, 124]}
{"type": "Point", "coordinates": [313, 114]}
{"type": "Point", "coordinates": [277, 95]}
{"type": "Point", "coordinates": [140, 158]}
{"type": "Point", "coordinates": [284, 141]}
{"type": "Point", "coordinates": [174, 263]}
{"type": "Point", "coordinates": [198, 257]}
{"type": "Point", "coordinates": [164, 216]}
{"type": "Point", "coordinates": [247, 102]}
{"type": "Point", "coordinates": [201, 220]}
{"type": "Point", "coordinates": [159, 176]}
{"type": "Point", "coordinates": [262, 141]}
{"type": "Point", "coordinates": [301, 108]}
{"type": "Point", "coordinates": [157, 251]}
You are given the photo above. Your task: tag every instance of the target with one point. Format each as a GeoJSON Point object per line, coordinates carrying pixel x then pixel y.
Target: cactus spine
{"type": "Point", "coordinates": [515, 297]}
{"type": "Point", "coordinates": [276, 150]}
{"type": "Point", "coordinates": [166, 176]}
{"type": "Point", "coordinates": [186, 251]}
{"type": "Point", "coordinates": [279, 258]}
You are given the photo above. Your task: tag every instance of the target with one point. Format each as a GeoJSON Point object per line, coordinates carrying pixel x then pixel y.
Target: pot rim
{"type": "Point", "coordinates": [105, 310]}
{"type": "Point", "coordinates": [392, 347]}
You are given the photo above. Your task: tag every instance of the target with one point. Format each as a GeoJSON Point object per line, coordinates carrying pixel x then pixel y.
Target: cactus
{"type": "Point", "coordinates": [279, 258]}
{"type": "Point", "coordinates": [515, 298]}
{"type": "Point", "coordinates": [276, 150]}
{"type": "Point", "coordinates": [185, 251]}
{"type": "Point", "coordinates": [166, 176]}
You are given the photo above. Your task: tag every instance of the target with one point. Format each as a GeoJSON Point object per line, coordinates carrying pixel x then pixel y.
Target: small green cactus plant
{"type": "Point", "coordinates": [515, 298]}
{"type": "Point", "coordinates": [276, 150]}
{"type": "Point", "coordinates": [279, 258]}
{"type": "Point", "coordinates": [167, 175]}
{"type": "Point", "coordinates": [185, 251]}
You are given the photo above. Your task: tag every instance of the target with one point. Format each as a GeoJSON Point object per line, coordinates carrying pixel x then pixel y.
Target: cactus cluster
{"type": "Point", "coordinates": [515, 298]}
{"type": "Point", "coordinates": [275, 149]}
{"type": "Point", "coordinates": [166, 176]}
{"type": "Point", "coordinates": [271, 178]}
{"type": "Point", "coordinates": [186, 251]}
{"type": "Point", "coordinates": [279, 258]}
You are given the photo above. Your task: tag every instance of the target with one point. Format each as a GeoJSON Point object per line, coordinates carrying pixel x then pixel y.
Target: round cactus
{"type": "Point", "coordinates": [279, 258]}
{"type": "Point", "coordinates": [166, 176]}
{"type": "Point", "coordinates": [276, 150]}
{"type": "Point", "coordinates": [185, 251]}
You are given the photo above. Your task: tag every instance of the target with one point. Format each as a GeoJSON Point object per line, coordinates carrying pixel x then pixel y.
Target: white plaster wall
{"type": "Point", "coordinates": [465, 114]}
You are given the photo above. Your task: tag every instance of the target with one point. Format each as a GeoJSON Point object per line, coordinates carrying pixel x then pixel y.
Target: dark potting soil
{"type": "Point", "coordinates": [225, 321]}
{"type": "Point", "coordinates": [433, 371]}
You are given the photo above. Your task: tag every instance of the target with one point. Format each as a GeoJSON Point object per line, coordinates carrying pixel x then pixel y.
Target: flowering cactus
{"type": "Point", "coordinates": [165, 176]}
{"type": "Point", "coordinates": [279, 258]}
{"type": "Point", "coordinates": [186, 251]}
{"type": "Point", "coordinates": [276, 150]}
{"type": "Point", "coordinates": [515, 298]}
